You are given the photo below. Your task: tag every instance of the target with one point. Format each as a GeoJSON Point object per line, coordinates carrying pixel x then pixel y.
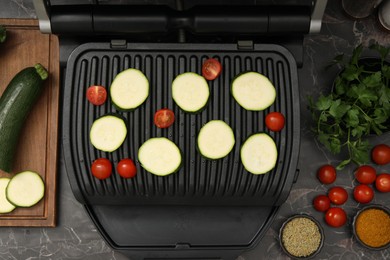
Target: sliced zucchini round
{"type": "Point", "coordinates": [215, 139]}
{"type": "Point", "coordinates": [190, 91]}
{"type": "Point", "coordinates": [129, 89]}
{"type": "Point", "coordinates": [5, 205]}
{"type": "Point", "coordinates": [25, 189]}
{"type": "Point", "coordinates": [253, 91]}
{"type": "Point", "coordinates": [160, 156]}
{"type": "Point", "coordinates": [108, 133]}
{"type": "Point", "coordinates": [259, 154]}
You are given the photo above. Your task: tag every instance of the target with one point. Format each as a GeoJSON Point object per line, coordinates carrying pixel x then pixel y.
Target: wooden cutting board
{"type": "Point", "coordinates": [37, 149]}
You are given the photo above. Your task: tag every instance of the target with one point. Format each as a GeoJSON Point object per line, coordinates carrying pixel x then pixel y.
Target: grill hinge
{"type": "Point", "coordinates": [118, 44]}
{"type": "Point", "coordinates": [245, 45]}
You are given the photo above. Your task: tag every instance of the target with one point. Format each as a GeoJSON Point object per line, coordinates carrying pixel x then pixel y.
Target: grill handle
{"type": "Point", "coordinates": [199, 20]}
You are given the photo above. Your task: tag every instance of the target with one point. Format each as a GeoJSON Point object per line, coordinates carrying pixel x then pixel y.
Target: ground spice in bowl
{"type": "Point", "coordinates": [372, 227]}
{"type": "Point", "coordinates": [301, 236]}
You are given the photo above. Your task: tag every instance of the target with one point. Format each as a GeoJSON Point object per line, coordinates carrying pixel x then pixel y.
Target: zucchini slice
{"type": "Point", "coordinates": [129, 89]}
{"type": "Point", "coordinates": [253, 91]}
{"type": "Point", "coordinates": [259, 154]}
{"type": "Point", "coordinates": [215, 139]}
{"type": "Point", "coordinates": [190, 92]}
{"type": "Point", "coordinates": [108, 133]}
{"type": "Point", "coordinates": [160, 156]}
{"type": "Point", "coordinates": [5, 205]}
{"type": "Point", "coordinates": [25, 189]}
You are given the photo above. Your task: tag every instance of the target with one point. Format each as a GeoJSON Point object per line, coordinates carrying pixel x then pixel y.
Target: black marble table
{"type": "Point", "coordinates": [76, 237]}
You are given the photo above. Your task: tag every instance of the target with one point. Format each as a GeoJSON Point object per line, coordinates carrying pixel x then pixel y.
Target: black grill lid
{"type": "Point", "coordinates": [199, 181]}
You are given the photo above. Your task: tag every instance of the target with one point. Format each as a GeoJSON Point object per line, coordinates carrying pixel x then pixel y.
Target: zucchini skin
{"type": "Point", "coordinates": [15, 104]}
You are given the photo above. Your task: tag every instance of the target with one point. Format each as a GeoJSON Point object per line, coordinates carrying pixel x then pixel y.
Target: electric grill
{"type": "Point", "coordinates": [208, 209]}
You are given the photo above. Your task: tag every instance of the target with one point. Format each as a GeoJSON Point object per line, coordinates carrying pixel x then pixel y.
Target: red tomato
{"type": "Point", "coordinates": [335, 217]}
{"type": "Point", "coordinates": [365, 174]}
{"type": "Point", "coordinates": [126, 168]}
{"type": "Point", "coordinates": [164, 118]}
{"type": "Point", "coordinates": [337, 195]}
{"type": "Point", "coordinates": [211, 69]}
{"type": "Point", "coordinates": [326, 174]}
{"type": "Point", "coordinates": [101, 168]}
{"type": "Point", "coordinates": [381, 154]}
{"type": "Point", "coordinates": [363, 193]}
{"type": "Point", "coordinates": [321, 203]}
{"type": "Point", "coordinates": [97, 95]}
{"type": "Point", "coordinates": [382, 182]}
{"type": "Point", "coordinates": [275, 121]}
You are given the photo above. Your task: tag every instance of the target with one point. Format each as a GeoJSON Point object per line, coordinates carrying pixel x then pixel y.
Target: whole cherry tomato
{"type": "Point", "coordinates": [363, 193]}
{"type": "Point", "coordinates": [101, 168]}
{"type": "Point", "coordinates": [275, 121]}
{"type": "Point", "coordinates": [321, 203]}
{"type": "Point", "coordinates": [337, 195]}
{"type": "Point", "coordinates": [335, 217]}
{"type": "Point", "coordinates": [126, 168]}
{"type": "Point", "coordinates": [97, 95]}
{"type": "Point", "coordinates": [382, 182]}
{"type": "Point", "coordinates": [326, 174]}
{"type": "Point", "coordinates": [211, 69]}
{"type": "Point", "coordinates": [365, 174]}
{"type": "Point", "coordinates": [381, 154]}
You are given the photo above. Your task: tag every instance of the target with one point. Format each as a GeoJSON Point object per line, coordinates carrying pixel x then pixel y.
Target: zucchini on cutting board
{"type": "Point", "coordinates": [15, 104]}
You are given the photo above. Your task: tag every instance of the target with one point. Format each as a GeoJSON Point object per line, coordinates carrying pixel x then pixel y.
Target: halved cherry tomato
{"type": "Point", "coordinates": [327, 174]}
{"type": "Point", "coordinates": [363, 193]}
{"type": "Point", "coordinates": [382, 182]}
{"type": "Point", "coordinates": [337, 195]}
{"type": "Point", "coordinates": [97, 95]}
{"type": "Point", "coordinates": [381, 154]}
{"type": "Point", "coordinates": [164, 118]}
{"type": "Point", "coordinates": [335, 217]}
{"type": "Point", "coordinates": [101, 168]}
{"type": "Point", "coordinates": [126, 168]}
{"type": "Point", "coordinates": [211, 69]}
{"type": "Point", "coordinates": [365, 174]}
{"type": "Point", "coordinates": [321, 203]}
{"type": "Point", "coordinates": [275, 121]}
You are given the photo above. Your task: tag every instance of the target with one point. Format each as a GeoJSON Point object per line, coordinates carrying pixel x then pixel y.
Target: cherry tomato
{"type": "Point", "coordinates": [381, 154]}
{"type": "Point", "coordinates": [164, 118]}
{"type": "Point", "coordinates": [326, 174]}
{"type": "Point", "coordinates": [363, 193]}
{"type": "Point", "coordinates": [211, 69]}
{"type": "Point", "coordinates": [335, 217]}
{"type": "Point", "coordinates": [321, 203]}
{"type": "Point", "coordinates": [275, 121]}
{"type": "Point", "coordinates": [382, 182]}
{"type": "Point", "coordinates": [365, 174]}
{"type": "Point", "coordinates": [126, 168]}
{"type": "Point", "coordinates": [101, 168]}
{"type": "Point", "coordinates": [97, 95]}
{"type": "Point", "coordinates": [337, 195]}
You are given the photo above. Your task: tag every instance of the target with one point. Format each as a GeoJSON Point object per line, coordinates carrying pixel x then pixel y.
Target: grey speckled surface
{"type": "Point", "coordinates": [76, 237]}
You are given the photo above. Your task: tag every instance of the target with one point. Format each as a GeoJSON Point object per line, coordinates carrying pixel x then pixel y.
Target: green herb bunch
{"type": "Point", "coordinates": [358, 105]}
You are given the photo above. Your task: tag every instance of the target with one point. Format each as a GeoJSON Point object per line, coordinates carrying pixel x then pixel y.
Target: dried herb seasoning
{"type": "Point", "coordinates": [301, 237]}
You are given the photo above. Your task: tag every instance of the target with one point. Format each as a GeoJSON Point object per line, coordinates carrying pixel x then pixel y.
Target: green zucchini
{"type": "Point", "coordinates": [5, 205]}
{"type": "Point", "coordinates": [15, 104]}
{"type": "Point", "coordinates": [3, 34]}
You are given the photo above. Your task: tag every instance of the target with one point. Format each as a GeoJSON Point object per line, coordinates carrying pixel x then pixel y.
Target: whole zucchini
{"type": "Point", "coordinates": [15, 104]}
